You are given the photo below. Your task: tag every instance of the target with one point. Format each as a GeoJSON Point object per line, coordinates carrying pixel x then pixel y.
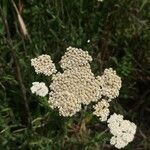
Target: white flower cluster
{"type": "Point", "coordinates": [80, 82]}
{"type": "Point", "coordinates": [77, 80]}
{"type": "Point", "coordinates": [75, 58]}
{"type": "Point", "coordinates": [123, 131]}
{"type": "Point", "coordinates": [39, 88]}
{"type": "Point", "coordinates": [101, 110]}
{"type": "Point", "coordinates": [43, 64]}
{"type": "Point", "coordinates": [110, 83]}
{"type": "Point", "coordinates": [66, 102]}
{"type": "Point", "coordinates": [77, 86]}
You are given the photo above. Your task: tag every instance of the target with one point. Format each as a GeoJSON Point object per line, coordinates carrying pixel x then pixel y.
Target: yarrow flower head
{"type": "Point", "coordinates": [123, 131]}
{"type": "Point", "coordinates": [66, 102]}
{"type": "Point", "coordinates": [101, 110]}
{"type": "Point", "coordinates": [77, 79]}
{"type": "Point", "coordinates": [110, 83]}
{"type": "Point", "coordinates": [39, 88]}
{"type": "Point", "coordinates": [76, 85]}
{"type": "Point", "coordinates": [43, 64]}
{"type": "Point", "coordinates": [79, 82]}
{"type": "Point", "coordinates": [75, 58]}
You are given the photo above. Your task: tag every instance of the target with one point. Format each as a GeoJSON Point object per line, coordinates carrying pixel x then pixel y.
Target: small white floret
{"type": "Point", "coordinates": [39, 88]}
{"type": "Point", "coordinates": [123, 131]}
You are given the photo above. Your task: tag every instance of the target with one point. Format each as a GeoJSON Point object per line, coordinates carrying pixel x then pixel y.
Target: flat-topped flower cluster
{"type": "Point", "coordinates": [77, 86]}
{"type": "Point", "coordinates": [43, 64]}
{"type": "Point", "coordinates": [123, 130]}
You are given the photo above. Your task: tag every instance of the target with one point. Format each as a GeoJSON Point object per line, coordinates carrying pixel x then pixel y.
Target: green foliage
{"type": "Point", "coordinates": [119, 34]}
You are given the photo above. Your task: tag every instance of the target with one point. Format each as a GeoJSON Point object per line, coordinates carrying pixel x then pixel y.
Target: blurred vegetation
{"type": "Point", "coordinates": [119, 34]}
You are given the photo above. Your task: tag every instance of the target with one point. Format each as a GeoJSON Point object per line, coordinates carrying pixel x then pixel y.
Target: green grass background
{"type": "Point", "coordinates": [119, 34]}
